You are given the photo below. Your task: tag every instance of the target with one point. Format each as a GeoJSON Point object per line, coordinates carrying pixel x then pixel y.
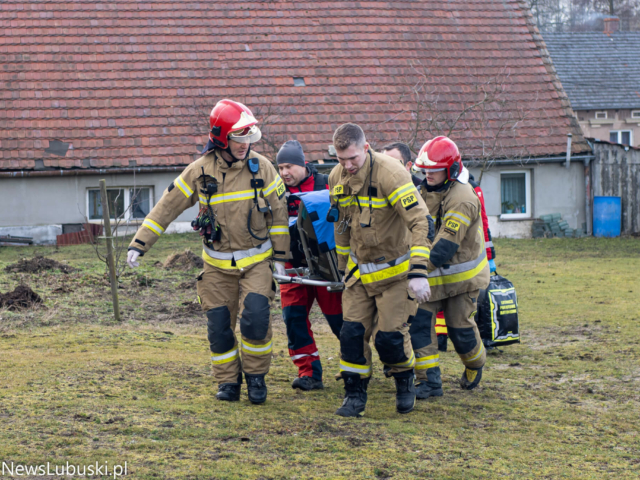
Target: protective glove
{"type": "Point", "coordinates": [132, 256]}
{"type": "Point", "coordinates": [419, 288]}
{"type": "Point", "coordinates": [280, 270]}
{"type": "Point", "coordinates": [492, 266]}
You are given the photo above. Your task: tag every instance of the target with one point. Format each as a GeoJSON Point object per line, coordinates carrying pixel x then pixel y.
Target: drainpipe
{"type": "Point", "coordinates": [568, 161]}
{"type": "Point", "coordinates": [587, 195]}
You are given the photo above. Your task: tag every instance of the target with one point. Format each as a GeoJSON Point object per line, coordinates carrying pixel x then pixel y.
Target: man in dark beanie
{"type": "Point", "coordinates": [297, 300]}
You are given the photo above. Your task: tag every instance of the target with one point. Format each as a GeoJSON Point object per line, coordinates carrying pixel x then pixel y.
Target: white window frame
{"type": "Point", "coordinates": [619, 132]}
{"type": "Point", "coordinates": [601, 118]}
{"type": "Point", "coordinates": [127, 202]}
{"type": "Point", "coordinates": [527, 186]}
{"type": "Point", "coordinates": [635, 114]}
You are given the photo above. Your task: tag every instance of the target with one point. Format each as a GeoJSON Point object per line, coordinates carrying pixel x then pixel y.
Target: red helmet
{"type": "Point", "coordinates": [233, 120]}
{"type": "Point", "coordinates": [439, 153]}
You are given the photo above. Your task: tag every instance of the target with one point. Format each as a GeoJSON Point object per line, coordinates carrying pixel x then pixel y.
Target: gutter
{"type": "Point", "coordinates": [530, 161]}
{"type": "Point", "coordinates": [92, 171]}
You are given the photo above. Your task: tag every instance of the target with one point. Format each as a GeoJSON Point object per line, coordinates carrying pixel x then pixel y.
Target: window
{"type": "Point", "coordinates": [515, 190]}
{"type": "Point", "coordinates": [601, 115]}
{"type": "Point", "coordinates": [126, 202]}
{"type": "Point", "coordinates": [298, 82]}
{"type": "Point", "coordinates": [635, 114]}
{"type": "Point", "coordinates": [620, 136]}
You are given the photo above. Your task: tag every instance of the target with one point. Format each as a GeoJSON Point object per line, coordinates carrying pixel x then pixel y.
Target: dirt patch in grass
{"type": "Point", "coordinates": [183, 261]}
{"type": "Point", "coordinates": [21, 297]}
{"type": "Point", "coordinates": [37, 264]}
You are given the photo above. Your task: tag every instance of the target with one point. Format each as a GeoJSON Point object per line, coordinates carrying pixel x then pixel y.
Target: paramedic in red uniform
{"type": "Point", "coordinates": [297, 300]}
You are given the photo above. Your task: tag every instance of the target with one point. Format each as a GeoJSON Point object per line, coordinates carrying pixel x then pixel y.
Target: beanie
{"type": "Point", "coordinates": [291, 152]}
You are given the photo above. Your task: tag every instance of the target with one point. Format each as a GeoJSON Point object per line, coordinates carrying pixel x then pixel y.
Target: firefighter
{"type": "Point", "coordinates": [243, 222]}
{"type": "Point", "coordinates": [458, 267]}
{"type": "Point", "coordinates": [297, 299]}
{"type": "Point", "coordinates": [441, 326]}
{"type": "Point", "coordinates": [402, 152]}
{"type": "Point", "coordinates": [381, 234]}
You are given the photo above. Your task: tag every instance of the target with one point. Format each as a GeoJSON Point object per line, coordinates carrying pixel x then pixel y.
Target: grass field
{"type": "Point", "coordinates": [76, 387]}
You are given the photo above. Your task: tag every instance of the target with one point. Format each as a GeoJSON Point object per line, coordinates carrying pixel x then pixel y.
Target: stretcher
{"type": "Point", "coordinates": [313, 245]}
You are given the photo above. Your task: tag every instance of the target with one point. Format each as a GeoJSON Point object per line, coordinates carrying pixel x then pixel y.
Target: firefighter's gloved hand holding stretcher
{"type": "Point", "coordinates": [419, 288]}
{"type": "Point", "coordinates": [280, 270]}
{"type": "Point", "coordinates": [132, 256]}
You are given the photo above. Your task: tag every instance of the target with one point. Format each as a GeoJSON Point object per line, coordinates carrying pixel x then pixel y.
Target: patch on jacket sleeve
{"type": "Point", "coordinates": [451, 227]}
{"type": "Point", "coordinates": [280, 189]}
{"type": "Point", "coordinates": [409, 201]}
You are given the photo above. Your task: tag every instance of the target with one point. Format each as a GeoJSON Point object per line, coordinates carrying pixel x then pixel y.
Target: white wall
{"type": "Point", "coordinates": [554, 189]}
{"type": "Point", "coordinates": [49, 202]}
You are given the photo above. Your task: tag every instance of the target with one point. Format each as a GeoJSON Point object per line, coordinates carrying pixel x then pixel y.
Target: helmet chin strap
{"type": "Point", "coordinates": [228, 150]}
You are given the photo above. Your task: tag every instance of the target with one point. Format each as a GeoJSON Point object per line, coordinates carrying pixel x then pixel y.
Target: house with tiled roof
{"type": "Point", "coordinates": [600, 72]}
{"type": "Point", "coordinates": [121, 90]}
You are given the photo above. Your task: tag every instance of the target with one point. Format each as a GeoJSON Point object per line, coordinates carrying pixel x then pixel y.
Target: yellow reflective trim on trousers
{"type": "Point", "coordinates": [477, 355]}
{"type": "Point", "coordinates": [423, 363]}
{"type": "Point", "coordinates": [364, 370]}
{"type": "Point", "coordinates": [408, 364]}
{"type": "Point", "coordinates": [253, 349]}
{"type": "Point", "coordinates": [420, 252]}
{"type": "Point", "coordinates": [153, 226]}
{"type": "Point", "coordinates": [458, 277]}
{"type": "Point", "coordinates": [386, 273]}
{"type": "Point", "coordinates": [398, 192]}
{"type": "Point", "coordinates": [230, 356]}
{"type": "Point", "coordinates": [343, 250]}
{"type": "Point", "coordinates": [182, 185]}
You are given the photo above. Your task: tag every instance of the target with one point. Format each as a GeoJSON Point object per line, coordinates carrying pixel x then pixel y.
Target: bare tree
{"type": "Point", "coordinates": [584, 15]}
{"type": "Point", "coordinates": [485, 122]}
{"type": "Point", "coordinates": [120, 229]}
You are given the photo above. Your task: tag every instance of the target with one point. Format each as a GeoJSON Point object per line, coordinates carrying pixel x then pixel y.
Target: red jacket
{"type": "Point", "coordinates": [314, 181]}
{"type": "Point", "coordinates": [491, 252]}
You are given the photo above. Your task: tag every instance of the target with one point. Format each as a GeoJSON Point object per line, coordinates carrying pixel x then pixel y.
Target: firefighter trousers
{"type": "Point", "coordinates": [297, 301]}
{"type": "Point", "coordinates": [222, 293]}
{"type": "Point", "coordinates": [385, 317]}
{"type": "Point", "coordinates": [463, 332]}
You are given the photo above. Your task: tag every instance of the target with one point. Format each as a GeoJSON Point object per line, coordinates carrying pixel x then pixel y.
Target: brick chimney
{"type": "Point", "coordinates": [611, 24]}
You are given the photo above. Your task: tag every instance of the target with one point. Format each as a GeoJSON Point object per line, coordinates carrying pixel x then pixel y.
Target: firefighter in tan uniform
{"type": "Point", "coordinates": [458, 267]}
{"type": "Point", "coordinates": [381, 235]}
{"type": "Point", "coordinates": [244, 224]}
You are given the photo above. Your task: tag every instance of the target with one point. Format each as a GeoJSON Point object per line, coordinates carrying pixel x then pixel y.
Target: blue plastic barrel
{"type": "Point", "coordinates": [607, 216]}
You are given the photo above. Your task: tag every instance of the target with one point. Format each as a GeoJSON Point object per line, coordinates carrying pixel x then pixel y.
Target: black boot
{"type": "Point", "coordinates": [471, 378]}
{"type": "Point", "coordinates": [228, 392]}
{"type": "Point", "coordinates": [307, 383]}
{"type": "Point", "coordinates": [405, 391]}
{"type": "Point", "coordinates": [256, 388]}
{"type": "Point", "coordinates": [355, 396]}
{"type": "Point", "coordinates": [442, 342]}
{"type": "Point", "coordinates": [432, 387]}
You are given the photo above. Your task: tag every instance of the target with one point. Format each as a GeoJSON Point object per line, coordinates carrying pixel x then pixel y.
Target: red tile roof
{"type": "Point", "coordinates": [126, 82]}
